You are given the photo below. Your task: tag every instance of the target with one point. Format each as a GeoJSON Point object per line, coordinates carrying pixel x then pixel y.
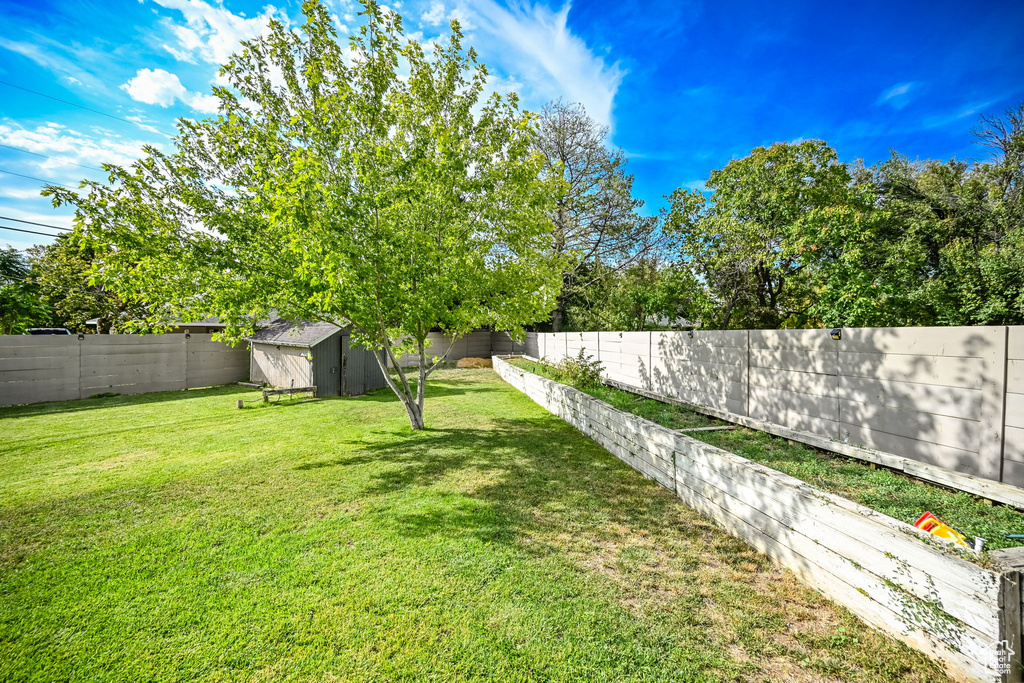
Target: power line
{"type": "Point", "coordinates": [72, 104]}
{"type": "Point", "coordinates": [31, 232]}
{"type": "Point", "coordinates": [37, 154]}
{"type": "Point", "coordinates": [41, 225]}
{"type": "Point", "coordinates": [47, 182]}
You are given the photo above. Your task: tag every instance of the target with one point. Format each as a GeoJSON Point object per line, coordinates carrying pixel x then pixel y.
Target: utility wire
{"type": "Point", "coordinates": [47, 182]}
{"type": "Point", "coordinates": [41, 225]}
{"type": "Point", "coordinates": [72, 104]}
{"type": "Point", "coordinates": [31, 232]}
{"type": "Point", "coordinates": [37, 154]}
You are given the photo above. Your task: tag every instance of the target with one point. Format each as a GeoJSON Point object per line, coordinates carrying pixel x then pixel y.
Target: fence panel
{"type": "Point", "coordinates": [1013, 423]}
{"type": "Point", "coordinates": [58, 368]}
{"type": "Point", "coordinates": [946, 396]}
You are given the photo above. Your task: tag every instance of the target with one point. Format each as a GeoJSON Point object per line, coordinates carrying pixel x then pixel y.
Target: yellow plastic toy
{"type": "Point", "coordinates": [932, 524]}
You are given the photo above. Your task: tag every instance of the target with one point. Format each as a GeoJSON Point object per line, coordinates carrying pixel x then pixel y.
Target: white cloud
{"type": "Point", "coordinates": [536, 46]}
{"type": "Point", "coordinates": [68, 146]}
{"type": "Point", "coordinates": [46, 53]}
{"type": "Point", "coordinates": [898, 96]}
{"type": "Point", "coordinates": [211, 33]}
{"type": "Point", "coordinates": [15, 193]}
{"type": "Point", "coordinates": [434, 15]}
{"type": "Point", "coordinates": [141, 123]}
{"type": "Point", "coordinates": [156, 86]}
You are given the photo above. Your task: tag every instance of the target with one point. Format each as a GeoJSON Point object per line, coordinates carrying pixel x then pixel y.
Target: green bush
{"type": "Point", "coordinates": [580, 371]}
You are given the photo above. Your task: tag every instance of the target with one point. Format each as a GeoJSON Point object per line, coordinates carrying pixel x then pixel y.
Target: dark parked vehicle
{"type": "Point", "coordinates": [47, 330]}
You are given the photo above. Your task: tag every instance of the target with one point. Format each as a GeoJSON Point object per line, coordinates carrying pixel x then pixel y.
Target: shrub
{"type": "Point", "coordinates": [580, 371]}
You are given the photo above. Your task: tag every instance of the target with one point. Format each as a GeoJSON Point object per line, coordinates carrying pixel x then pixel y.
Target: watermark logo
{"type": "Point", "coordinates": [1000, 657]}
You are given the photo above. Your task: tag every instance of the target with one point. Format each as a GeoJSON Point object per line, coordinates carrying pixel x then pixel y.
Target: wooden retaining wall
{"type": "Point", "coordinates": [952, 397]}
{"type": "Point", "coordinates": [63, 367]}
{"type": "Point", "coordinates": [895, 577]}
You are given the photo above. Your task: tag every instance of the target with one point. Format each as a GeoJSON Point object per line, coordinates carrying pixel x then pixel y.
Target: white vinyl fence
{"type": "Point", "coordinates": [952, 397]}
{"type": "Point", "coordinates": [61, 367]}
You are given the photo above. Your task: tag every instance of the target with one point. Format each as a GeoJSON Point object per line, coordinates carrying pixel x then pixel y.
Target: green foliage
{"type": "Point", "coordinates": [21, 306]}
{"type": "Point", "coordinates": [371, 186]}
{"type": "Point", "coordinates": [580, 371]}
{"type": "Point", "coordinates": [755, 241]}
{"type": "Point", "coordinates": [64, 274]}
{"type": "Point", "coordinates": [647, 295]}
{"type": "Point", "coordinates": [790, 237]}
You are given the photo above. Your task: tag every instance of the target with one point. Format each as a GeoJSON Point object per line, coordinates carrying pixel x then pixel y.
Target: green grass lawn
{"type": "Point", "coordinates": [173, 537]}
{"type": "Point", "coordinates": [886, 491]}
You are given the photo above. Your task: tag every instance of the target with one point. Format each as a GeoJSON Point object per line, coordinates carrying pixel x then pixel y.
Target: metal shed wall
{"type": "Point", "coordinates": [326, 366]}
{"type": "Point", "coordinates": [362, 373]}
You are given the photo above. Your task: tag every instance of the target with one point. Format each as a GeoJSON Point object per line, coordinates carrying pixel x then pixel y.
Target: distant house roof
{"type": "Point", "coordinates": [287, 333]}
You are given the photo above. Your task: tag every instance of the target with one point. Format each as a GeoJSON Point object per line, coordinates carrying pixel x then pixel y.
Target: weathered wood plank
{"type": "Point", "coordinates": [927, 398]}
{"type": "Point", "coordinates": [791, 380]}
{"type": "Point", "coordinates": [814, 532]}
{"type": "Point", "coordinates": [963, 658]}
{"type": "Point", "coordinates": [1002, 493]}
{"type": "Point", "coordinates": [134, 388]}
{"type": "Point", "coordinates": [37, 352]}
{"type": "Point", "coordinates": [941, 455]}
{"type": "Point", "coordinates": [33, 391]}
{"type": "Point", "coordinates": [727, 355]}
{"type": "Point", "coordinates": [1014, 447]}
{"type": "Point", "coordinates": [965, 591]}
{"type": "Point", "coordinates": [1015, 410]}
{"type": "Point", "coordinates": [796, 420]}
{"type": "Point", "coordinates": [29, 341]}
{"type": "Point", "coordinates": [778, 401]}
{"type": "Point", "coordinates": [989, 435]}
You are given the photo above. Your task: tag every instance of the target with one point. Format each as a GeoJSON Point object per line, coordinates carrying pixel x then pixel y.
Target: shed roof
{"type": "Point", "coordinates": [287, 333]}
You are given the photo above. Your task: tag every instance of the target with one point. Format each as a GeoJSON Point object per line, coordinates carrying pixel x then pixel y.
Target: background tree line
{"type": "Point", "coordinates": [790, 237]}
{"type": "Point", "coordinates": [786, 237]}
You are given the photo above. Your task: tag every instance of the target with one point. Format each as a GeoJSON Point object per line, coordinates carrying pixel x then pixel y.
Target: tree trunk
{"type": "Point", "coordinates": [421, 385]}
{"type": "Point", "coordinates": [413, 404]}
{"type": "Point", "coordinates": [558, 315]}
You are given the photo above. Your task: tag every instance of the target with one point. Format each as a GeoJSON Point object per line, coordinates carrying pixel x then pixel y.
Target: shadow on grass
{"type": "Point", "coordinates": [495, 483]}
{"type": "Point", "coordinates": [82, 404]}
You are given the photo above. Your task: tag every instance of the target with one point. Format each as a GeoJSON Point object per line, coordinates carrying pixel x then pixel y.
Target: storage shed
{"type": "Point", "coordinates": [286, 354]}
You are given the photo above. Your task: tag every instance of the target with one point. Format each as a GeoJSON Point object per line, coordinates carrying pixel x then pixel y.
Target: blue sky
{"type": "Point", "coordinates": [684, 86]}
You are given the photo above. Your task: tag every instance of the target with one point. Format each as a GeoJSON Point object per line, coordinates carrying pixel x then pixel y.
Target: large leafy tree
{"type": "Point", "coordinates": [21, 306]}
{"type": "Point", "coordinates": [946, 239]}
{"type": "Point", "coordinates": [758, 238]}
{"type": "Point", "coordinates": [62, 272]}
{"type": "Point", "coordinates": [597, 228]}
{"type": "Point", "coordinates": [370, 185]}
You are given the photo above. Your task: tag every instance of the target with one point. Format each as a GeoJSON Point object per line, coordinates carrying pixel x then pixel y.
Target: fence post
{"type": "Point", "coordinates": [746, 375]}
{"type": "Point", "coordinates": [80, 342]}
{"type": "Point", "coordinates": [185, 339]}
